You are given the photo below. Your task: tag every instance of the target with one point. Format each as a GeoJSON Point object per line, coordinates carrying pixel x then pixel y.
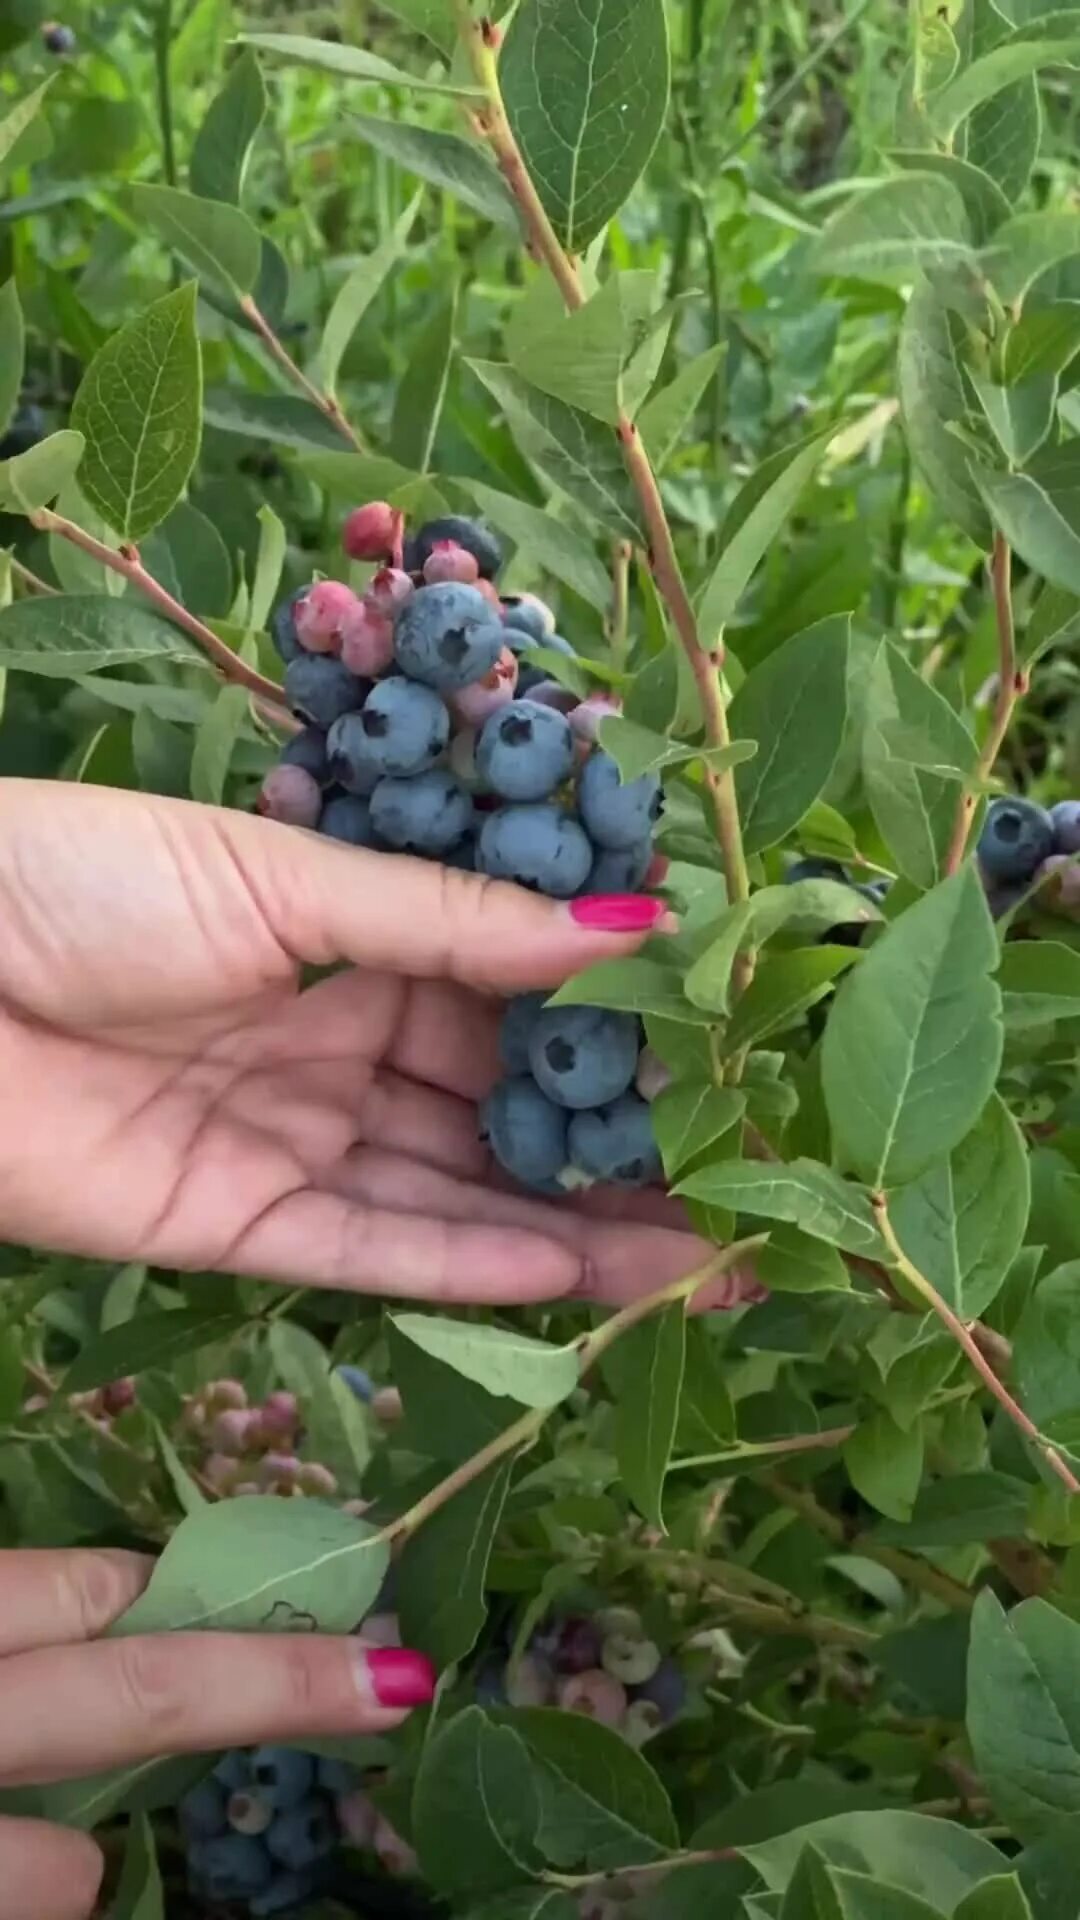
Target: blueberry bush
{"type": "Point", "coordinates": [615, 444]}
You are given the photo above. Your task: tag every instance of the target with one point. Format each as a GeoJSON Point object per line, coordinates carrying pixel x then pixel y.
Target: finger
{"type": "Point", "coordinates": [47, 1873]}
{"type": "Point", "coordinates": [53, 1597]}
{"type": "Point", "coordinates": [425, 1124]}
{"type": "Point", "coordinates": [327, 902]}
{"type": "Point", "coordinates": [70, 1710]}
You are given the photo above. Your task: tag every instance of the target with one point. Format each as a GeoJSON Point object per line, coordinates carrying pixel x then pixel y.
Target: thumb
{"type": "Point", "coordinates": [328, 902]}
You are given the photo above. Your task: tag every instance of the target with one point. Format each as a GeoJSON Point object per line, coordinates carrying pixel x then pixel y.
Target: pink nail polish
{"type": "Point", "coordinates": [399, 1677]}
{"type": "Point", "coordinates": [617, 912]}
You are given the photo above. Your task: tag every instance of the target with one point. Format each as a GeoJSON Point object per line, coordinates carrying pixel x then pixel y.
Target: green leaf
{"type": "Point", "coordinates": [586, 93]}
{"type": "Point", "coordinates": [187, 1493]}
{"type": "Point", "coordinates": [861, 1896]}
{"type": "Point", "coordinates": [148, 1340]}
{"type": "Point", "coordinates": [794, 1263]}
{"type": "Point", "coordinates": [475, 1808]}
{"type": "Point", "coordinates": [15, 123]}
{"type": "Point", "coordinates": [444, 160]}
{"type": "Point", "coordinates": [962, 1221]}
{"type": "Point", "coordinates": [139, 1894]}
{"type": "Point", "coordinates": [907, 722]}
{"type": "Point", "coordinates": [269, 561]}
{"type": "Point", "coordinates": [631, 986]}
{"type": "Point", "coordinates": [12, 346]}
{"type": "Point", "coordinates": [932, 1858]}
{"type": "Point", "coordinates": [636, 749]}
{"type": "Point", "coordinates": [356, 293]}
{"type": "Point", "coordinates": [1043, 340]}
{"type": "Point", "coordinates": [1026, 247]}
{"type": "Point", "coordinates": [557, 548]}
{"type": "Point", "coordinates": [601, 1804]}
{"type": "Point", "coordinates": [808, 906]}
{"type": "Point", "coordinates": [1039, 512]}
{"type": "Point", "coordinates": [422, 388]}
{"type": "Point", "coordinates": [924, 991]}
{"type": "Point", "coordinates": [665, 414]}
{"type": "Point", "coordinates": [84, 633]}
{"type": "Point", "coordinates": [811, 1894]}
{"type": "Point", "coordinates": [577, 454]}
{"type": "Point", "coordinates": [960, 1510]}
{"type": "Point", "coordinates": [1051, 41]}
{"type": "Point", "coordinates": [579, 357]}
{"type": "Point", "coordinates": [223, 143]}
{"type": "Point", "coordinates": [443, 1569]}
{"type": "Point", "coordinates": [334, 1420]}
{"type": "Point", "coordinates": [1040, 982]}
{"type": "Point", "coordinates": [218, 242]}
{"type": "Point", "coordinates": [502, 1362]}
{"type": "Point", "coordinates": [933, 399]}
{"type": "Point", "coordinates": [795, 705]}
{"type": "Point", "coordinates": [1020, 416]}
{"type": "Point", "coordinates": [447, 1416]}
{"type": "Point", "coordinates": [30, 480]}
{"type": "Point", "coordinates": [885, 1463]}
{"type": "Point", "coordinates": [349, 63]}
{"type": "Point", "coordinates": [432, 18]}
{"type": "Point", "coordinates": [283, 419]}
{"type": "Point", "coordinates": [139, 410]}
{"type": "Point", "coordinates": [534, 1903]}
{"type": "Point", "coordinates": [999, 1898]}
{"type": "Point", "coordinates": [784, 986]}
{"type": "Point", "coordinates": [1046, 1346]}
{"type": "Point", "coordinates": [706, 1413]}
{"type": "Point", "coordinates": [1055, 619]}
{"type": "Point", "coordinates": [215, 743]}
{"type": "Point", "coordinates": [802, 1193]}
{"type": "Point", "coordinates": [646, 1370]}
{"type": "Point", "coordinates": [987, 206]}
{"type": "Point", "coordinates": [754, 520]}
{"type": "Point", "coordinates": [894, 229]}
{"type": "Point", "coordinates": [691, 1116]}
{"type": "Point", "coordinates": [1023, 1720]}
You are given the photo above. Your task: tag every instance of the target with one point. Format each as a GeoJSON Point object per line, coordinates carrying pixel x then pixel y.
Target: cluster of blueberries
{"type": "Point", "coordinates": [603, 1665]}
{"type": "Point", "coordinates": [1022, 843]}
{"type": "Point", "coordinates": [248, 1448]}
{"type": "Point", "coordinates": [265, 1825]}
{"type": "Point", "coordinates": [425, 732]}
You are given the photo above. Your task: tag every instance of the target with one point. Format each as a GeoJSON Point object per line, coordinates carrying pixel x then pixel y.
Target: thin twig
{"type": "Point", "coordinates": [621, 555]}
{"type": "Point", "coordinates": [325, 402]}
{"type": "Point", "coordinates": [1012, 683]}
{"type": "Point", "coordinates": [906, 1566]}
{"type": "Point", "coordinates": [29, 579]}
{"type": "Point", "coordinates": [125, 561]}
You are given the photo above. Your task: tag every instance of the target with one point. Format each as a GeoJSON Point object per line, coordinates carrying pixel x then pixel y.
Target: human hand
{"type": "Point", "coordinates": [71, 1704]}
{"type": "Point", "coordinates": [167, 1094]}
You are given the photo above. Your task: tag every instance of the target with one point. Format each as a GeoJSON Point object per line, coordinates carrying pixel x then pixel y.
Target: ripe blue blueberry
{"type": "Point", "coordinates": [234, 1866]}
{"type": "Point", "coordinates": [286, 1890]}
{"type": "Point", "coordinates": [319, 689]}
{"type": "Point", "coordinates": [528, 620]}
{"type": "Point", "coordinates": [526, 1131]}
{"type": "Point", "coordinates": [539, 846]}
{"type": "Point", "coordinates": [525, 751]}
{"type": "Point", "coordinates": [346, 817]}
{"type": "Point", "coordinates": [584, 1056]}
{"type": "Point", "coordinates": [363, 1386]}
{"type": "Point", "coordinates": [233, 1770]}
{"type": "Point", "coordinates": [337, 1776]}
{"type": "Point", "coordinates": [615, 1142]}
{"type": "Point", "coordinates": [406, 726]}
{"type": "Point", "coordinates": [815, 868]}
{"type": "Point", "coordinates": [201, 1812]}
{"type": "Point", "coordinates": [473, 535]}
{"type": "Point", "coordinates": [1066, 819]}
{"type": "Point", "coordinates": [489, 1683]}
{"type": "Point", "coordinates": [303, 1835]}
{"type": "Point", "coordinates": [308, 750]}
{"type": "Point", "coordinates": [1017, 836]}
{"type": "Point", "coordinates": [617, 813]}
{"type": "Point", "coordinates": [463, 856]}
{"type": "Point", "coordinates": [666, 1689]}
{"type": "Point", "coordinates": [58, 39]}
{"type": "Point", "coordinates": [282, 1775]}
{"type": "Point", "coordinates": [619, 870]}
{"type": "Point", "coordinates": [349, 757]}
{"type": "Point", "coordinates": [447, 636]}
{"type": "Point", "coordinates": [427, 815]}
{"type": "Point", "coordinates": [515, 1030]}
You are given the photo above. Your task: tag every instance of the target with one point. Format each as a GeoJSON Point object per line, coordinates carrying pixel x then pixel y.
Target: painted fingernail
{"type": "Point", "coordinates": [397, 1676]}
{"type": "Point", "coordinates": [618, 912]}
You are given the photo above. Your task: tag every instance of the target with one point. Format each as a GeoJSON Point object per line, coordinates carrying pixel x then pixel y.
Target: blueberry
{"type": "Point", "coordinates": [463, 856]}
{"type": "Point", "coordinates": [303, 1835]}
{"type": "Point", "coordinates": [539, 846]}
{"type": "Point", "coordinates": [337, 1776]}
{"type": "Point", "coordinates": [425, 815]}
{"type": "Point", "coordinates": [57, 39]}
{"type": "Point", "coordinates": [555, 643]}
{"type": "Point", "coordinates": [578, 1646]}
{"type": "Point", "coordinates": [531, 618]}
{"type": "Point", "coordinates": [1066, 819]}
{"type": "Point", "coordinates": [814, 868]}
{"type": "Point", "coordinates": [515, 1029]}
{"type": "Point", "coordinates": [526, 751]}
{"type": "Point", "coordinates": [282, 1775]}
{"type": "Point", "coordinates": [232, 1867]}
{"type": "Point", "coordinates": [526, 1131]}
{"type": "Point", "coordinates": [473, 535]}
{"type": "Point", "coordinates": [363, 1386]}
{"type": "Point", "coordinates": [447, 637]}
{"type": "Point", "coordinates": [619, 870]}
{"type": "Point", "coordinates": [529, 678]}
{"type": "Point", "coordinates": [248, 1812]}
{"type": "Point", "coordinates": [292, 796]}
{"type": "Point", "coordinates": [201, 1812]}
{"type": "Point", "coordinates": [615, 1142]}
{"type": "Point", "coordinates": [584, 1056]}
{"type": "Point", "coordinates": [285, 1890]}
{"type": "Point", "coordinates": [308, 750]}
{"type": "Point", "coordinates": [283, 625]}
{"type": "Point", "coordinates": [617, 813]}
{"type": "Point", "coordinates": [26, 429]}
{"type": "Point", "coordinates": [319, 689]}
{"type": "Point", "coordinates": [666, 1688]}
{"type": "Point", "coordinates": [406, 726]}
{"type": "Point", "coordinates": [489, 1683]}
{"type": "Point", "coordinates": [530, 1681]}
{"type": "Point", "coordinates": [349, 756]}
{"type": "Point", "coordinates": [347, 817]}
{"type": "Point", "coordinates": [1017, 836]}
{"type": "Point", "coordinates": [632, 1659]}
{"type": "Point", "coordinates": [233, 1770]}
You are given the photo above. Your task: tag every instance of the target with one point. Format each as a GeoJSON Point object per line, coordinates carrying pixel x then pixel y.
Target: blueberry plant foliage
{"type": "Point", "coordinates": [754, 334]}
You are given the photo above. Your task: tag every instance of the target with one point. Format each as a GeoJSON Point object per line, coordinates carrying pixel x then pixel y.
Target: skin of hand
{"type": "Point", "coordinates": [168, 1094]}
{"type": "Point", "coordinates": [72, 1703]}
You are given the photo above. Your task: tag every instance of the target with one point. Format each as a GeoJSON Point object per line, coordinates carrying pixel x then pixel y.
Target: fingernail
{"type": "Point", "coordinates": [618, 912]}
{"type": "Point", "coordinates": [397, 1676]}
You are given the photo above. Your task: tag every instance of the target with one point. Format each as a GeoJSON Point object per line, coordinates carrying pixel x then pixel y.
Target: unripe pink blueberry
{"type": "Point", "coordinates": [529, 1682]}
{"type": "Point", "coordinates": [371, 532]}
{"type": "Point", "coordinates": [381, 1630]}
{"type": "Point", "coordinates": [656, 872]}
{"type": "Point", "coordinates": [118, 1395]}
{"type": "Point", "coordinates": [279, 1470]}
{"type": "Point", "coordinates": [248, 1813]}
{"type": "Point", "coordinates": [388, 590]}
{"type": "Point", "coordinates": [234, 1430]}
{"type": "Point", "coordinates": [653, 1074]}
{"type": "Point", "coordinates": [394, 1853]}
{"type": "Point", "coordinates": [586, 717]}
{"type": "Point", "coordinates": [245, 1487]}
{"type": "Point", "coordinates": [594, 1693]}
{"type": "Point", "coordinates": [550, 694]}
{"type": "Point", "coordinates": [448, 561]}
{"type": "Point", "coordinates": [321, 616]}
{"type": "Point", "coordinates": [316, 1480]}
{"type": "Point", "coordinates": [357, 1508]}
{"type": "Point", "coordinates": [1062, 895]}
{"type": "Point", "coordinates": [92, 1402]}
{"type": "Point", "coordinates": [224, 1393]}
{"type": "Point", "coordinates": [630, 1658]}
{"type": "Point", "coordinates": [367, 643]}
{"type": "Point", "coordinates": [280, 1412]}
{"type": "Point", "coordinates": [292, 796]}
{"type": "Point", "coordinates": [474, 704]}
{"type": "Point", "coordinates": [578, 1645]}
{"type": "Point", "coordinates": [386, 1406]}
{"type": "Point", "coordinates": [35, 1403]}
{"type": "Point", "coordinates": [358, 1817]}
{"type": "Point", "coordinates": [490, 593]}
{"type": "Point", "coordinates": [643, 1720]}
{"type": "Point", "coordinates": [220, 1471]}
